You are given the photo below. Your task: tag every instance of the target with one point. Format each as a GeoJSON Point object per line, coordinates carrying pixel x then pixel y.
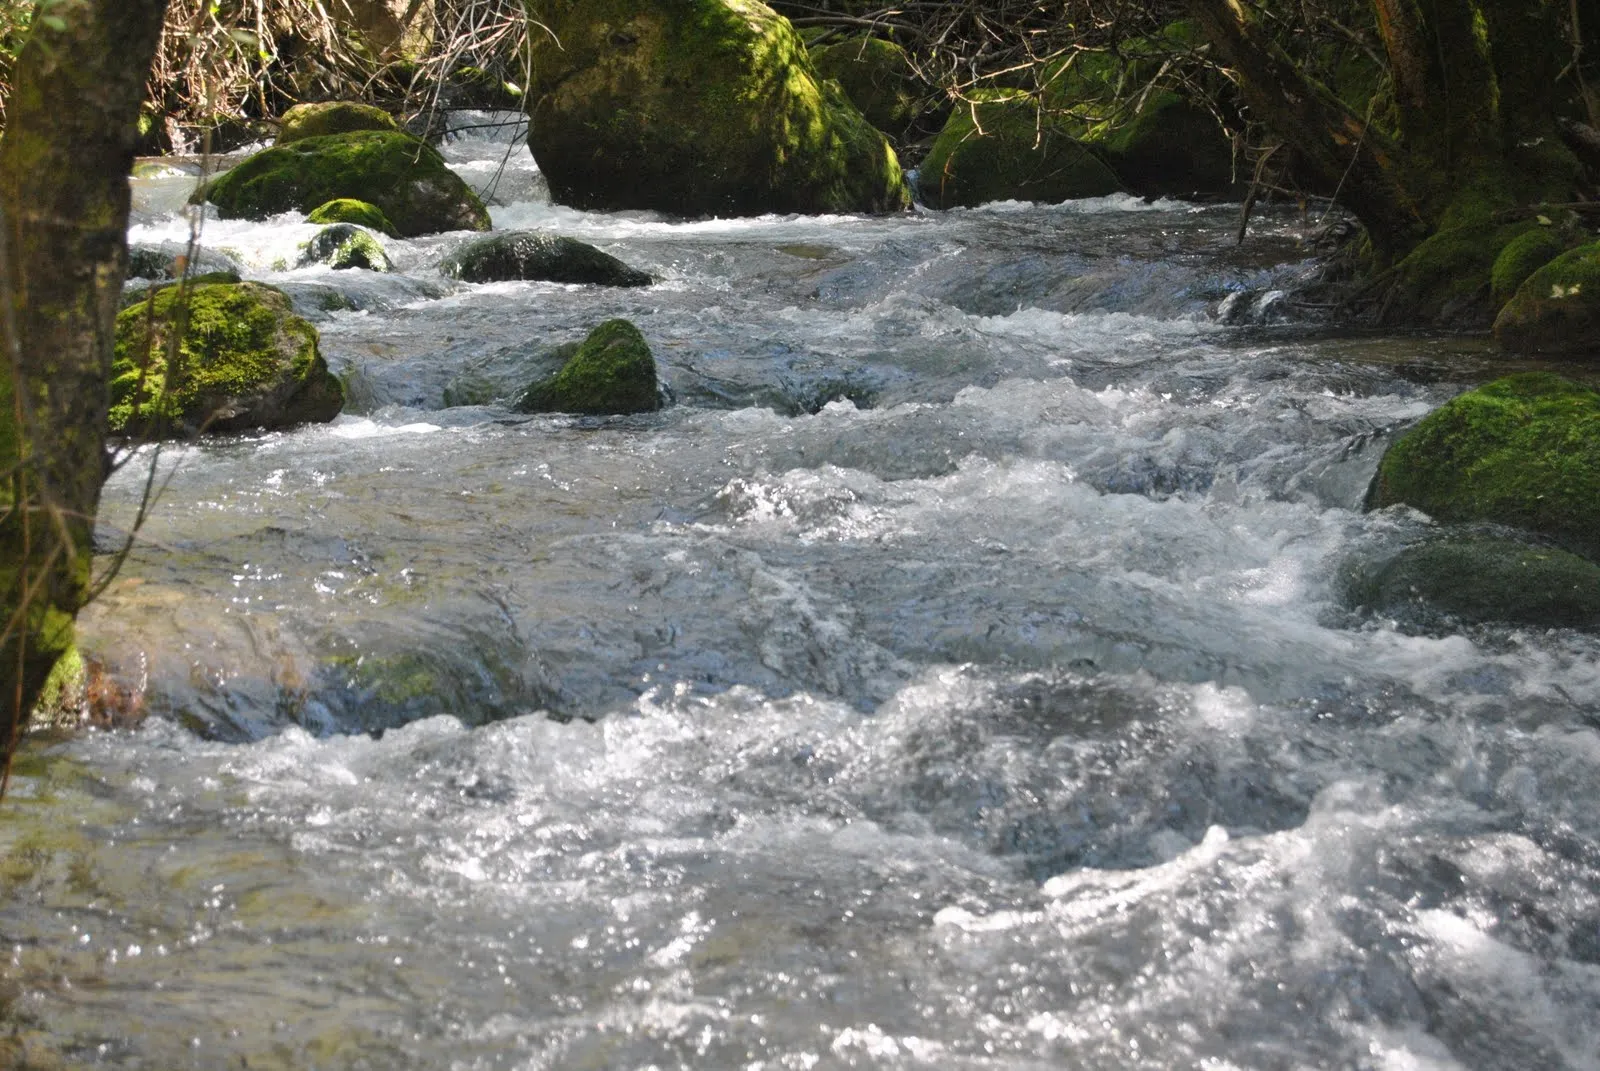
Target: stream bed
{"type": "Point", "coordinates": [955, 675]}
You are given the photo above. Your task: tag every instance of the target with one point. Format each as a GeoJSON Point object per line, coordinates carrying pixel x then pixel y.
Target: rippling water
{"type": "Point", "coordinates": [954, 676]}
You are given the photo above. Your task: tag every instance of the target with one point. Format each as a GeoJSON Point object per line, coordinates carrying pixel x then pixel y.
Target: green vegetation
{"type": "Point", "coordinates": [612, 372]}
{"type": "Point", "coordinates": [1557, 308]}
{"type": "Point", "coordinates": [244, 361]}
{"type": "Point", "coordinates": [349, 210]}
{"type": "Point", "coordinates": [331, 117]}
{"type": "Point", "coordinates": [879, 79]}
{"type": "Point", "coordinates": [404, 178]}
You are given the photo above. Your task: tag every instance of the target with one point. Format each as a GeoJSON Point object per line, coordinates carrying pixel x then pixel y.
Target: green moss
{"type": "Point", "coordinates": [1521, 257]}
{"type": "Point", "coordinates": [612, 372]}
{"type": "Point", "coordinates": [403, 177]}
{"type": "Point", "coordinates": [331, 117]}
{"type": "Point", "coordinates": [696, 107]}
{"type": "Point", "coordinates": [61, 700]}
{"type": "Point", "coordinates": [349, 210]}
{"type": "Point", "coordinates": [879, 79]}
{"type": "Point", "coordinates": [1523, 451]}
{"type": "Point", "coordinates": [245, 361]}
{"type": "Point", "coordinates": [1000, 147]}
{"type": "Point", "coordinates": [1557, 308]}
{"type": "Point", "coordinates": [1480, 578]}
{"type": "Point", "coordinates": [1447, 277]}
{"type": "Point", "coordinates": [345, 245]}
{"type": "Point", "coordinates": [135, 295]}
{"type": "Point", "coordinates": [474, 87]}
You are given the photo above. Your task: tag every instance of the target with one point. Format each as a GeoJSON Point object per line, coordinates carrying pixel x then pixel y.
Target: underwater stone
{"type": "Point", "coordinates": [520, 255]}
{"type": "Point", "coordinates": [612, 372]}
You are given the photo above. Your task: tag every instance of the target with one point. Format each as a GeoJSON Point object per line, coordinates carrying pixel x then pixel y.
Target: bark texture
{"type": "Point", "coordinates": [64, 198]}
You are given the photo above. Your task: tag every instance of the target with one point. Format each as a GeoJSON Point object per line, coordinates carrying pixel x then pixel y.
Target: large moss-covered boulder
{"type": "Point", "coordinates": [1523, 451]}
{"type": "Point", "coordinates": [245, 360]}
{"type": "Point", "coordinates": [879, 79]}
{"type": "Point", "coordinates": [331, 117]}
{"type": "Point", "coordinates": [1001, 147]}
{"type": "Point", "coordinates": [697, 108]}
{"type": "Point", "coordinates": [1170, 148]}
{"type": "Point", "coordinates": [349, 210]}
{"type": "Point", "coordinates": [405, 178]}
{"type": "Point", "coordinates": [613, 371]}
{"type": "Point", "coordinates": [1475, 578]}
{"type": "Point", "coordinates": [536, 255]}
{"type": "Point", "coordinates": [1521, 257]}
{"type": "Point", "coordinates": [343, 246]}
{"type": "Point", "coordinates": [1448, 278]}
{"type": "Point", "coordinates": [1557, 308]}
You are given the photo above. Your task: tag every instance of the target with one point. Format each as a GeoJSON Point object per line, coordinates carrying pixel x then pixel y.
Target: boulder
{"type": "Point", "coordinates": [344, 245]}
{"type": "Point", "coordinates": [536, 255]}
{"type": "Point", "coordinates": [332, 117]}
{"type": "Point", "coordinates": [405, 178]}
{"type": "Point", "coordinates": [1170, 148]}
{"type": "Point", "coordinates": [1475, 578]}
{"type": "Point", "coordinates": [1521, 257]}
{"type": "Point", "coordinates": [1000, 147]}
{"type": "Point", "coordinates": [1523, 451]}
{"type": "Point", "coordinates": [1447, 279]}
{"type": "Point", "coordinates": [696, 108]}
{"type": "Point", "coordinates": [246, 361]}
{"type": "Point", "coordinates": [349, 210]}
{"type": "Point", "coordinates": [613, 371]}
{"type": "Point", "coordinates": [878, 78]}
{"type": "Point", "coordinates": [1557, 308]}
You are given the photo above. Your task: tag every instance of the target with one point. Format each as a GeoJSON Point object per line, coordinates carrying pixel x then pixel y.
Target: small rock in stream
{"type": "Point", "coordinates": [536, 255]}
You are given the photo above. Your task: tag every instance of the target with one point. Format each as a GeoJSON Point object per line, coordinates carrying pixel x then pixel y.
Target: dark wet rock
{"type": "Point", "coordinates": [612, 372]}
{"type": "Point", "coordinates": [529, 255]}
{"type": "Point", "coordinates": [1557, 308]}
{"type": "Point", "coordinates": [343, 246]}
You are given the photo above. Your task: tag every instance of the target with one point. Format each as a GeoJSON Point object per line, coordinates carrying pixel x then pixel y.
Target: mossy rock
{"type": "Point", "coordinates": [405, 178]}
{"type": "Point", "coordinates": [349, 210]}
{"type": "Point", "coordinates": [1522, 256]}
{"type": "Point", "coordinates": [1446, 280]}
{"type": "Point", "coordinates": [999, 147]}
{"type": "Point", "coordinates": [696, 108]}
{"type": "Point", "coordinates": [137, 293]}
{"type": "Point", "coordinates": [613, 371]}
{"type": "Point", "coordinates": [332, 117]}
{"type": "Point", "coordinates": [879, 79]}
{"type": "Point", "coordinates": [1523, 451]}
{"type": "Point", "coordinates": [496, 378]}
{"type": "Point", "coordinates": [1478, 578]}
{"type": "Point", "coordinates": [245, 361]}
{"type": "Point", "coordinates": [1556, 309]}
{"type": "Point", "coordinates": [343, 246]}
{"type": "Point", "coordinates": [62, 699]}
{"type": "Point", "coordinates": [1170, 148]}
{"type": "Point", "coordinates": [518, 255]}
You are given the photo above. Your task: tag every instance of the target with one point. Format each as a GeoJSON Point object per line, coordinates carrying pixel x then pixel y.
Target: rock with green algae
{"type": "Point", "coordinates": [1000, 147]}
{"type": "Point", "coordinates": [1523, 451]}
{"type": "Point", "coordinates": [1476, 578]}
{"type": "Point", "coordinates": [612, 372]}
{"type": "Point", "coordinates": [244, 361]}
{"type": "Point", "coordinates": [1556, 310]}
{"type": "Point", "coordinates": [343, 246]}
{"type": "Point", "coordinates": [1521, 257]}
{"type": "Point", "coordinates": [403, 177]}
{"type": "Point", "coordinates": [349, 210]}
{"type": "Point", "coordinates": [1447, 279]}
{"type": "Point", "coordinates": [519, 255]}
{"type": "Point", "coordinates": [696, 108]}
{"type": "Point", "coordinates": [879, 79]}
{"type": "Point", "coordinates": [331, 117]}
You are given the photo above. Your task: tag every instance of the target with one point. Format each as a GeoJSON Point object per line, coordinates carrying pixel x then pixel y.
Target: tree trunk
{"type": "Point", "coordinates": [64, 198]}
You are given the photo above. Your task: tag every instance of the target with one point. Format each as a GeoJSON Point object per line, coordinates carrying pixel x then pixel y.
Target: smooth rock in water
{"type": "Point", "coordinates": [518, 255]}
{"type": "Point", "coordinates": [162, 261]}
{"type": "Point", "coordinates": [1557, 308]}
{"type": "Point", "coordinates": [349, 210]}
{"type": "Point", "coordinates": [404, 177]}
{"type": "Point", "coordinates": [879, 79]}
{"type": "Point", "coordinates": [613, 371]}
{"type": "Point", "coordinates": [1170, 148]}
{"type": "Point", "coordinates": [245, 361]}
{"type": "Point", "coordinates": [332, 117]}
{"type": "Point", "coordinates": [344, 245]}
{"type": "Point", "coordinates": [1523, 451]}
{"type": "Point", "coordinates": [998, 147]}
{"type": "Point", "coordinates": [1475, 579]}
{"type": "Point", "coordinates": [696, 108]}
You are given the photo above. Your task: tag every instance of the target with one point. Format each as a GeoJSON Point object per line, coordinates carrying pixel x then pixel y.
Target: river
{"type": "Point", "coordinates": [955, 675]}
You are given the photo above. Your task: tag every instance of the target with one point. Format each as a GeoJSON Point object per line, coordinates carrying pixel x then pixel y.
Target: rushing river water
{"type": "Point", "coordinates": [955, 675]}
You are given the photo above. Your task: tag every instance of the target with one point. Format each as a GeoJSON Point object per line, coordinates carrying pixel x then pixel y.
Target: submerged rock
{"type": "Point", "coordinates": [245, 361]}
{"type": "Point", "coordinates": [1557, 308]}
{"type": "Point", "coordinates": [1001, 147]}
{"type": "Point", "coordinates": [613, 371]}
{"type": "Point", "coordinates": [403, 177]}
{"type": "Point", "coordinates": [331, 117]}
{"type": "Point", "coordinates": [697, 108]}
{"type": "Point", "coordinates": [1523, 451]}
{"type": "Point", "coordinates": [349, 210]}
{"type": "Point", "coordinates": [345, 245]}
{"type": "Point", "coordinates": [537, 255]}
{"type": "Point", "coordinates": [1476, 578]}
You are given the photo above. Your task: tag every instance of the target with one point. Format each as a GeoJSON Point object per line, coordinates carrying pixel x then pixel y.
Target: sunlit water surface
{"type": "Point", "coordinates": [955, 675]}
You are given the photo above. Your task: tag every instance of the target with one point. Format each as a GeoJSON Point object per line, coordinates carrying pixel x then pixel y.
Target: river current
{"type": "Point", "coordinates": [955, 675]}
